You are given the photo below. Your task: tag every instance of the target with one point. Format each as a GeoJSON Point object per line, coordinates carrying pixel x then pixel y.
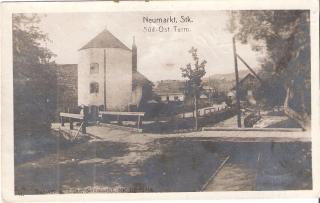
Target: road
{"type": "Point", "coordinates": [117, 161]}
{"type": "Point", "coordinates": [264, 166]}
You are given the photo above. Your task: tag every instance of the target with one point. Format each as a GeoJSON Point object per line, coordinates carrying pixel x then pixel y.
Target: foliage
{"type": "Point", "coordinates": [272, 92]}
{"type": "Point", "coordinates": [33, 78]}
{"type": "Point", "coordinates": [250, 120]}
{"type": "Point", "coordinates": [194, 74]}
{"type": "Point", "coordinates": [284, 37]}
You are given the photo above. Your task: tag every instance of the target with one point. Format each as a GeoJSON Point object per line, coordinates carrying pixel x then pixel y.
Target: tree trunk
{"type": "Point", "coordinates": [303, 119]}
{"type": "Point", "coordinates": [196, 113]}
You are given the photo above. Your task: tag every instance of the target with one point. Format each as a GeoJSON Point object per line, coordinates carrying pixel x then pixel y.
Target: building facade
{"type": "Point", "coordinates": [247, 86]}
{"type": "Point", "coordinates": [107, 74]}
{"type": "Point", "coordinates": [171, 90]}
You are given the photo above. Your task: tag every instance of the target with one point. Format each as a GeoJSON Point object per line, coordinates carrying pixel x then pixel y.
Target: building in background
{"type": "Point", "coordinates": [170, 90]}
{"type": "Point", "coordinates": [247, 85]}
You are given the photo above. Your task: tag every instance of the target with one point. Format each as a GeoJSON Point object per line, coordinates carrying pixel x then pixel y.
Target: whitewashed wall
{"type": "Point", "coordinates": [118, 78]}
{"type": "Point", "coordinates": [86, 57]}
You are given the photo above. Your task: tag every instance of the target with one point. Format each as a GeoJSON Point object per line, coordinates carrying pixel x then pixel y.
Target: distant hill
{"type": "Point", "coordinates": [227, 76]}
{"type": "Point", "coordinates": [220, 82]}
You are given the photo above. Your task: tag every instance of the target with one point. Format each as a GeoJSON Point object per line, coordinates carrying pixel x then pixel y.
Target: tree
{"type": "Point", "coordinates": [284, 37]}
{"type": "Point", "coordinates": [33, 78]}
{"type": "Point", "coordinates": [194, 74]}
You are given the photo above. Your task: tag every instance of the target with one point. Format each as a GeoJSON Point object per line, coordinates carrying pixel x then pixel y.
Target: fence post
{"type": "Point", "coordinates": [62, 121]}
{"type": "Point", "coordinates": [85, 119]}
{"type": "Point", "coordinates": [119, 120]}
{"type": "Point", "coordinates": [71, 123]}
{"type": "Point", "coordinates": [139, 122]}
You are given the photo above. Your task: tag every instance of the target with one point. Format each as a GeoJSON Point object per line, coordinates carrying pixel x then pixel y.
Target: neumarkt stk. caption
{"type": "Point", "coordinates": [167, 24]}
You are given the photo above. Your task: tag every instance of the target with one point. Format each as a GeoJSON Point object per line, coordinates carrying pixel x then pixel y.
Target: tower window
{"type": "Point", "coordinates": [94, 87]}
{"type": "Point", "coordinates": [94, 68]}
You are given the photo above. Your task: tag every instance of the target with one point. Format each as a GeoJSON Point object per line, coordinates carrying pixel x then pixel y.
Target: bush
{"type": "Point", "coordinates": [251, 119]}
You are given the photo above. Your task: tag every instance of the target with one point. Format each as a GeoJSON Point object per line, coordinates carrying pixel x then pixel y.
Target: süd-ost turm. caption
{"type": "Point", "coordinates": [167, 24]}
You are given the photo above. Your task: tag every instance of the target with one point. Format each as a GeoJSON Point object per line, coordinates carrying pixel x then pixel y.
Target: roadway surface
{"type": "Point", "coordinates": [120, 161]}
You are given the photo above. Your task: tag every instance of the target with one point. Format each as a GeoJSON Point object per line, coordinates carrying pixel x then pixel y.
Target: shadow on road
{"type": "Point", "coordinates": [166, 165]}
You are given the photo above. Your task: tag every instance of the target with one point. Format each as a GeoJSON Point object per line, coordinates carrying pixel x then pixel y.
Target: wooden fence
{"type": "Point", "coordinates": [71, 117]}
{"type": "Point", "coordinates": [121, 116]}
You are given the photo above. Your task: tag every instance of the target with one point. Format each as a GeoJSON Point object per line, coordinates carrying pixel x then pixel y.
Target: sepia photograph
{"type": "Point", "coordinates": [162, 101]}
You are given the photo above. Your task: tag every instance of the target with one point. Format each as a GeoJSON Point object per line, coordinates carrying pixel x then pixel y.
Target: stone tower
{"type": "Point", "coordinates": [105, 73]}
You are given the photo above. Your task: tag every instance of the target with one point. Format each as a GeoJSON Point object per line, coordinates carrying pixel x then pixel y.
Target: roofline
{"type": "Point", "coordinates": [241, 81]}
{"type": "Point", "coordinates": [164, 94]}
{"type": "Point", "coordinates": [67, 64]}
{"type": "Point", "coordinates": [104, 48]}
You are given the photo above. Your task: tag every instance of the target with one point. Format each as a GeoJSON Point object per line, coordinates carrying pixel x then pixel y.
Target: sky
{"type": "Point", "coordinates": [160, 54]}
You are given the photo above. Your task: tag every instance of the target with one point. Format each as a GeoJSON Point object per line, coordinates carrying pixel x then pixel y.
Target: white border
{"type": "Point", "coordinates": [7, 91]}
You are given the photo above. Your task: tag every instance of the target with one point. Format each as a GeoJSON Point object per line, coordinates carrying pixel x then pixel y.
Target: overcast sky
{"type": "Point", "coordinates": [160, 55]}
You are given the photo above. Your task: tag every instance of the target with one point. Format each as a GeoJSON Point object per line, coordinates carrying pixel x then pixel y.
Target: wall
{"type": "Point", "coordinates": [172, 97]}
{"type": "Point", "coordinates": [118, 78]}
{"type": "Point", "coordinates": [86, 57]}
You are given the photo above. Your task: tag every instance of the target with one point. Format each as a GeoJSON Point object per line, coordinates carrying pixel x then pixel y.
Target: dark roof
{"type": "Point", "coordinates": [249, 75]}
{"type": "Point", "coordinates": [165, 87]}
{"type": "Point", "coordinates": [139, 79]}
{"type": "Point", "coordinates": [105, 39]}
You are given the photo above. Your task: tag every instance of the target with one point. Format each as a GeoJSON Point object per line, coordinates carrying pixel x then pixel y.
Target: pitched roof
{"type": "Point", "coordinates": [105, 39]}
{"type": "Point", "coordinates": [165, 87]}
{"type": "Point", "coordinates": [139, 79]}
{"type": "Point", "coordinates": [248, 76]}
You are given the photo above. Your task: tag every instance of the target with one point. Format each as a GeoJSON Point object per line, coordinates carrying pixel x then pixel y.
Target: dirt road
{"type": "Point", "coordinates": [117, 161]}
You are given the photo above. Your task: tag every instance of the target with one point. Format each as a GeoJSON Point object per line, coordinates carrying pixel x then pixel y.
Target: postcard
{"type": "Point", "coordinates": [165, 100]}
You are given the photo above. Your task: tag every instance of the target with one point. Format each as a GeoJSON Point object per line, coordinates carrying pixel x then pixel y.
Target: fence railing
{"type": "Point", "coordinates": [121, 116]}
{"type": "Point", "coordinates": [71, 117]}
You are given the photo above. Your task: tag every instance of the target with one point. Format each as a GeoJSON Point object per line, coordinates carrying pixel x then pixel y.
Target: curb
{"type": "Point", "coordinates": [214, 174]}
{"type": "Point", "coordinates": [254, 129]}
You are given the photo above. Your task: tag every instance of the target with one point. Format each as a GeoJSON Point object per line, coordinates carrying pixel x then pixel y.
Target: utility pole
{"type": "Point", "coordinates": [104, 80]}
{"type": "Point", "coordinates": [237, 82]}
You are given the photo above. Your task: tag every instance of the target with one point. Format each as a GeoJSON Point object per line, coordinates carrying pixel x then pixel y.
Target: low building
{"type": "Point", "coordinates": [141, 90]}
{"type": "Point", "coordinates": [247, 85]}
{"type": "Point", "coordinates": [170, 90]}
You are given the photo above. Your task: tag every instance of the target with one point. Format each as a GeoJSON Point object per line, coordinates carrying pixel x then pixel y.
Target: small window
{"type": "Point", "coordinates": [94, 68]}
{"type": "Point", "coordinates": [94, 87]}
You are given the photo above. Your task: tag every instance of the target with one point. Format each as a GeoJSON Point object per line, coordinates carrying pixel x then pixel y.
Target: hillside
{"type": "Point", "coordinates": [221, 82]}
{"type": "Point", "coordinates": [227, 76]}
